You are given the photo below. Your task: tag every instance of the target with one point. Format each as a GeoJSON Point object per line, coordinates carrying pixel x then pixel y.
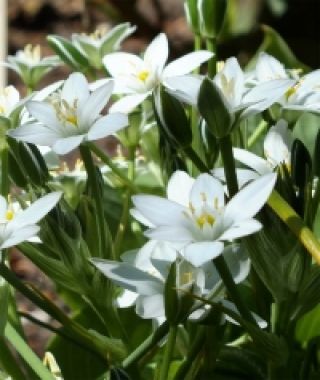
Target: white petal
{"type": "Point", "coordinates": [277, 143]}
{"type": "Point", "coordinates": [238, 262]}
{"type": "Point", "coordinates": [231, 81]}
{"type": "Point", "coordinates": [34, 133]}
{"type": "Point", "coordinates": [128, 103]}
{"type": "Point", "coordinates": [67, 144]}
{"type": "Point", "coordinates": [75, 89]}
{"type": "Point", "coordinates": [207, 189]}
{"type": "Point", "coordinates": [264, 95]}
{"type": "Point", "coordinates": [3, 207]}
{"type": "Point", "coordinates": [157, 52]}
{"type": "Point", "coordinates": [251, 160]}
{"type": "Point", "coordinates": [107, 125]}
{"type": "Point", "coordinates": [202, 252]}
{"type": "Point", "coordinates": [179, 187]}
{"type": "Point", "coordinates": [150, 307]}
{"type": "Point", "coordinates": [269, 68]}
{"type": "Point", "coordinates": [160, 211]}
{"type": "Point", "coordinates": [37, 210]}
{"type": "Point", "coordinates": [185, 88]}
{"type": "Point", "coordinates": [122, 64]}
{"type": "Point", "coordinates": [127, 299]}
{"type": "Point", "coordinates": [20, 235]}
{"type": "Point", "coordinates": [45, 113]}
{"type": "Point", "coordinates": [89, 112]}
{"type": "Point", "coordinates": [140, 218]}
{"type": "Point", "coordinates": [249, 200]}
{"type": "Point", "coordinates": [243, 228]}
{"type": "Point", "coordinates": [170, 233]}
{"type": "Point", "coordinates": [186, 64]}
{"type": "Point", "coordinates": [129, 277]}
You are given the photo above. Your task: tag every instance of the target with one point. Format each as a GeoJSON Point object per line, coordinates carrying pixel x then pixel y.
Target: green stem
{"type": "Point", "coordinates": [225, 144]}
{"type": "Point", "coordinates": [97, 196]}
{"type": "Point", "coordinates": [169, 349]}
{"type": "Point", "coordinates": [4, 172]}
{"type": "Point", "coordinates": [263, 125]}
{"type": "Point", "coordinates": [146, 345]}
{"type": "Point", "coordinates": [9, 362]}
{"type": "Point", "coordinates": [212, 63]}
{"type": "Point", "coordinates": [202, 167]}
{"type": "Point", "coordinates": [287, 214]}
{"type": "Point", "coordinates": [232, 289]}
{"type": "Point", "coordinates": [126, 206]}
{"type": "Point", "coordinates": [192, 354]}
{"type": "Point", "coordinates": [108, 161]}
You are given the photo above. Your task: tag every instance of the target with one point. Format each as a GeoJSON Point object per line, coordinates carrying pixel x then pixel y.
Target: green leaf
{"type": "Point", "coordinates": [308, 326]}
{"type": "Point", "coordinates": [309, 295]}
{"type": "Point", "coordinates": [68, 53]}
{"type": "Point", "coordinates": [214, 109]}
{"type": "Point", "coordinates": [4, 305]}
{"type": "Point", "coordinates": [27, 354]}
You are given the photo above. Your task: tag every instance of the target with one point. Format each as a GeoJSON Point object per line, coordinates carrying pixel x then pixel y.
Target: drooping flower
{"type": "Point", "coordinates": [195, 214]}
{"type": "Point", "coordinates": [71, 116]}
{"type": "Point", "coordinates": [137, 77]}
{"type": "Point", "coordinates": [277, 150]}
{"type": "Point", "coordinates": [9, 100]}
{"type": "Point", "coordinates": [143, 274]}
{"type": "Point", "coordinates": [17, 225]}
{"type": "Point", "coordinates": [241, 101]}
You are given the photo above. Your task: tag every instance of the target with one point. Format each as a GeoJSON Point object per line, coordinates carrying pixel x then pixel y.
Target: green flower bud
{"type": "Point", "coordinates": [214, 109]}
{"type": "Point", "coordinates": [211, 17]}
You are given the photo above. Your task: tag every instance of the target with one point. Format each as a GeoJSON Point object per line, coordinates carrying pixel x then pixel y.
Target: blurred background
{"type": "Point", "coordinates": [297, 21]}
{"type": "Point", "coordinates": [30, 21]}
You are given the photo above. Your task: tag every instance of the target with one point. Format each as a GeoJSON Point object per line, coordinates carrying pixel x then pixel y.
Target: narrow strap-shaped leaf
{"type": "Point", "coordinates": [27, 354]}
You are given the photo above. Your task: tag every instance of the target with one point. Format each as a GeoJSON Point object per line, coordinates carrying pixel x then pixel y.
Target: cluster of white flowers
{"type": "Point", "coordinates": [194, 224]}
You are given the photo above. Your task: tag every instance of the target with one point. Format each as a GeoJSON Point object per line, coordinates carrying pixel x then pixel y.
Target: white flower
{"type": "Point", "coordinates": [231, 82]}
{"type": "Point", "coordinates": [143, 275]}
{"type": "Point", "coordinates": [29, 64]}
{"type": "Point", "coordinates": [17, 226]}
{"type": "Point", "coordinates": [72, 116]}
{"type": "Point", "coordinates": [277, 150]}
{"type": "Point", "coordinates": [196, 215]}
{"type": "Point", "coordinates": [9, 101]}
{"type": "Point", "coordinates": [103, 41]}
{"type": "Point", "coordinates": [138, 77]}
{"type": "Point", "coordinates": [267, 68]}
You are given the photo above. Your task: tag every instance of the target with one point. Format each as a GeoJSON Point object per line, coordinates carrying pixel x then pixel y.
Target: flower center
{"type": "Point", "coordinates": [143, 75]}
{"type": "Point", "coordinates": [66, 113]}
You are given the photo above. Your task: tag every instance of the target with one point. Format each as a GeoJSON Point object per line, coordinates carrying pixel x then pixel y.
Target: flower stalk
{"type": "Point", "coordinates": [169, 350]}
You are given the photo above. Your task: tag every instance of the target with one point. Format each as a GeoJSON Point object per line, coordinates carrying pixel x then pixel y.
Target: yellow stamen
{"type": "Point", "coordinates": [205, 218]}
{"type": "Point", "coordinates": [187, 277]}
{"type": "Point", "coordinates": [9, 215]}
{"type": "Point", "coordinates": [143, 75]}
{"type": "Point", "coordinates": [72, 119]}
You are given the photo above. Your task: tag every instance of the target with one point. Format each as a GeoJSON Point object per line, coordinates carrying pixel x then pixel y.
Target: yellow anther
{"type": "Point", "coordinates": [291, 91]}
{"type": "Point", "coordinates": [216, 203]}
{"type": "Point", "coordinates": [205, 218]}
{"type": "Point", "coordinates": [187, 277]}
{"type": "Point", "coordinates": [2, 110]}
{"type": "Point", "coordinates": [72, 119]}
{"type": "Point", "coordinates": [143, 75]}
{"type": "Point", "coordinates": [9, 215]}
